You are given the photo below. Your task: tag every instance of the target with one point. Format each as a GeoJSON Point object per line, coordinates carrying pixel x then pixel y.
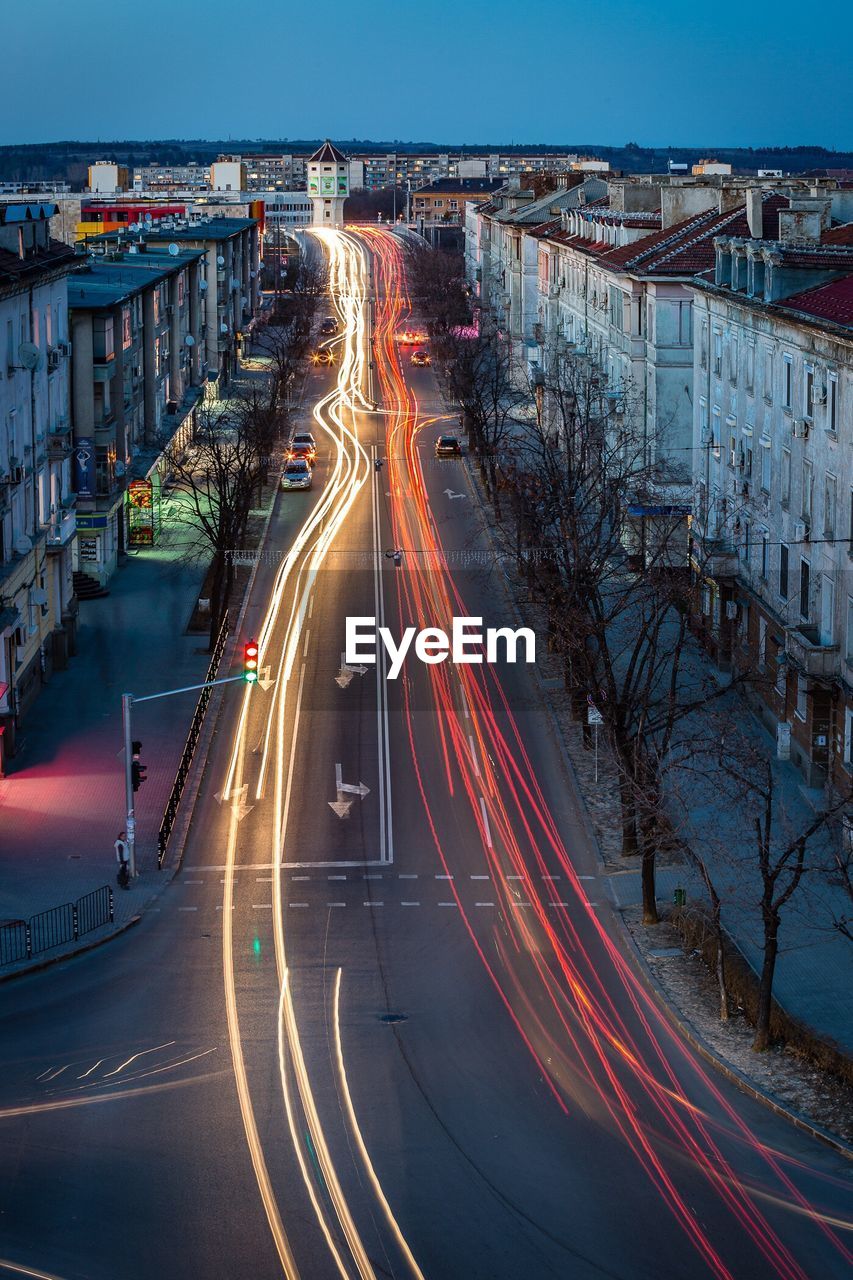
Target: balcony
{"type": "Point", "coordinates": [61, 530]}
{"type": "Point", "coordinates": [718, 558]}
{"type": "Point", "coordinates": [803, 647]}
{"type": "Point", "coordinates": [59, 440]}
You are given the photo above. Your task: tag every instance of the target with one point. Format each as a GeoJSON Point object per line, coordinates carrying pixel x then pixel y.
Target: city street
{"type": "Point", "coordinates": [383, 1021]}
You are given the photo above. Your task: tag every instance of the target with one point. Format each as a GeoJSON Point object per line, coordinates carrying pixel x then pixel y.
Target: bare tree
{"type": "Point", "coordinates": [284, 337]}
{"type": "Point", "coordinates": [219, 474]}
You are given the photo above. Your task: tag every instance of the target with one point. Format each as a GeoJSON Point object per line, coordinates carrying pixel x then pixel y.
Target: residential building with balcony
{"type": "Point", "coordinates": [37, 523]}
{"type": "Point", "coordinates": [444, 201]}
{"type": "Point", "coordinates": [137, 334]}
{"type": "Point", "coordinates": [773, 474]}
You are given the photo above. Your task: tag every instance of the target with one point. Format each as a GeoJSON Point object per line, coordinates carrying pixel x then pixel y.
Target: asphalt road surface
{"type": "Point", "coordinates": [381, 1023]}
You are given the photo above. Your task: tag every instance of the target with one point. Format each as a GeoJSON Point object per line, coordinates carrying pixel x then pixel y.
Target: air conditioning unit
{"type": "Point", "coordinates": [553, 291]}
{"type": "Point", "coordinates": [52, 359]}
{"type": "Point", "coordinates": [801, 429]}
{"type": "Point", "coordinates": [801, 531]}
{"type": "Point", "coordinates": [64, 348]}
{"type": "Point", "coordinates": [818, 394]}
{"type": "Point", "coordinates": [706, 436]}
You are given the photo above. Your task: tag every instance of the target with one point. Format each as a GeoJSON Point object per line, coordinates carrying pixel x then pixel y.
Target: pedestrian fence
{"type": "Point", "coordinates": [23, 939]}
{"type": "Point", "coordinates": [173, 803]}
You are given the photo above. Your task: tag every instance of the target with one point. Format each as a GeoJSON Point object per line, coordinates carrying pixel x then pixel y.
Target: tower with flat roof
{"type": "Point", "coordinates": [328, 185]}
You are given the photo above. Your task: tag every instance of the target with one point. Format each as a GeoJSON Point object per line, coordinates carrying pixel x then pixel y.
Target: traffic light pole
{"type": "Point", "coordinates": [127, 703]}
{"type": "Point", "coordinates": [130, 823]}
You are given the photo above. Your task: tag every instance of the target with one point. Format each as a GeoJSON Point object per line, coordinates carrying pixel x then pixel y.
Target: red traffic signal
{"type": "Point", "coordinates": [250, 661]}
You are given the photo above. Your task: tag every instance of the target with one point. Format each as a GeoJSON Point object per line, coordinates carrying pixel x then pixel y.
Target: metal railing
{"type": "Point", "coordinates": [173, 803]}
{"type": "Point", "coordinates": [23, 939]}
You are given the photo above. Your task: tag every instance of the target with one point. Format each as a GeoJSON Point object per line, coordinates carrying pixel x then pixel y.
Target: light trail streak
{"type": "Point", "coordinates": [622, 1067]}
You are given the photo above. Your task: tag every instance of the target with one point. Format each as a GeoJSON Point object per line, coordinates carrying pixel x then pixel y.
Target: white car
{"type": "Point", "coordinates": [296, 475]}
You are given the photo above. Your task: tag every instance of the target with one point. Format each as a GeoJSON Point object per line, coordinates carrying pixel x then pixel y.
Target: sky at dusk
{"type": "Point", "coordinates": [454, 71]}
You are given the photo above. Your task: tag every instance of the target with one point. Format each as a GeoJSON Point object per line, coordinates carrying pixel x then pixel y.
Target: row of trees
{"type": "Point", "coordinates": [565, 459]}
{"type": "Point", "coordinates": [219, 474]}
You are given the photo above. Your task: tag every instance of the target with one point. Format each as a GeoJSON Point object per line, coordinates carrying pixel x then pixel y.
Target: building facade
{"type": "Point", "coordinates": [37, 510]}
{"type": "Point", "coordinates": [328, 185]}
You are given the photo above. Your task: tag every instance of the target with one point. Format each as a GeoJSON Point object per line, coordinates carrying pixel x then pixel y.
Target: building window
{"type": "Point", "coordinates": [733, 358]}
{"type": "Point", "coordinates": [786, 479]}
{"type": "Point", "coordinates": [750, 364]}
{"type": "Point", "coordinates": [768, 375]}
{"type": "Point", "coordinates": [848, 737]}
{"type": "Point", "coordinates": [827, 608]}
{"type": "Point", "coordinates": [718, 352]}
{"type": "Point", "coordinates": [787, 382]}
{"type": "Point", "coordinates": [763, 543]}
{"type": "Point", "coordinates": [703, 345]}
{"type": "Point", "coordinates": [808, 391]}
{"type": "Point", "coordinates": [685, 323]}
{"type": "Point", "coordinates": [848, 646]}
{"type": "Point", "coordinates": [733, 444]}
{"type": "Point", "coordinates": [716, 433]}
{"type": "Point", "coordinates": [762, 643]}
{"type": "Point", "coordinates": [832, 402]}
{"type": "Point", "coordinates": [766, 459]}
{"type": "Point", "coordinates": [802, 696]}
{"type": "Point", "coordinates": [830, 490]}
{"type": "Point", "coordinates": [781, 678]}
{"type": "Point", "coordinates": [805, 576]}
{"type": "Point", "coordinates": [783, 571]}
{"type": "Point", "coordinates": [808, 489]}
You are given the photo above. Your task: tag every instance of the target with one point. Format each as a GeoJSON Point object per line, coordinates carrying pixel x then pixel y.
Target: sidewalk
{"type": "Point", "coordinates": [62, 804]}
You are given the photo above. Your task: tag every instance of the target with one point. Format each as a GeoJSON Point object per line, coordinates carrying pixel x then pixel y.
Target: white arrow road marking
{"type": "Point", "coordinates": [452, 495]}
{"type": "Point", "coordinates": [239, 806]}
{"type": "Point", "coordinates": [341, 807]}
{"type": "Point", "coordinates": [346, 673]}
{"type": "Point", "coordinates": [265, 680]}
{"type": "Point", "coordinates": [360, 790]}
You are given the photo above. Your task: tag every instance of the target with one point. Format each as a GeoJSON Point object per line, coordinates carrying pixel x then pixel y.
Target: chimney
{"type": "Point", "coordinates": [755, 212]}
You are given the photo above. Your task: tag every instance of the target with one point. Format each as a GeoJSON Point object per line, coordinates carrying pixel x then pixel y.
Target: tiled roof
{"type": "Point", "coordinates": [546, 229]}
{"type": "Point", "coordinates": [328, 154]}
{"type": "Point", "coordinates": [459, 186]}
{"type": "Point", "coordinates": [838, 235]}
{"type": "Point", "coordinates": [14, 268]}
{"type": "Point", "coordinates": [832, 301]}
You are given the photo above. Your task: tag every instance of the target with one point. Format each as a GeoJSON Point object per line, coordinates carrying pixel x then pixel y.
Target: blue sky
{"type": "Point", "coordinates": [462, 71]}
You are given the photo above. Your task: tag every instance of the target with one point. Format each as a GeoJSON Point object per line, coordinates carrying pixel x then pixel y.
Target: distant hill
{"type": "Point", "coordinates": [67, 161]}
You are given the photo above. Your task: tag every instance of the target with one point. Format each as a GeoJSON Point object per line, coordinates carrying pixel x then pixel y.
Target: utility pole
{"type": "Point", "coordinates": [130, 822]}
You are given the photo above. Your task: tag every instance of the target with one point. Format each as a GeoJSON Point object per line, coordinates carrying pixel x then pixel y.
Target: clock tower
{"type": "Point", "coordinates": [328, 185]}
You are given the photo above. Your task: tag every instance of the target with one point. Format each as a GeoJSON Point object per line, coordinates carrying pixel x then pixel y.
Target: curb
{"type": "Point", "coordinates": [692, 1036]}
{"type": "Point", "coordinates": [732, 1073]}
{"type": "Point", "coordinates": [48, 961]}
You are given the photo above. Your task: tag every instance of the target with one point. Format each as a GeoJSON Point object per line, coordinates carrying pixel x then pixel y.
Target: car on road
{"type": "Point", "coordinates": [302, 445]}
{"type": "Point", "coordinates": [296, 474]}
{"type": "Point", "coordinates": [329, 326]}
{"type": "Point", "coordinates": [410, 338]}
{"type": "Point", "coordinates": [448, 447]}
{"type": "Point", "coordinates": [323, 355]}
{"type": "Point", "coordinates": [420, 357]}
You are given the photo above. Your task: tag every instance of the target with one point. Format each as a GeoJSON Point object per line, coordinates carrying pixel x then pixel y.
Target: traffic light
{"type": "Point", "coordinates": [250, 661]}
{"type": "Point", "coordinates": [138, 771]}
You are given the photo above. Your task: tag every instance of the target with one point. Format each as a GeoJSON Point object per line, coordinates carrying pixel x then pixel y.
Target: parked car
{"type": "Point", "coordinates": [329, 326]}
{"type": "Point", "coordinates": [302, 445]}
{"type": "Point", "coordinates": [296, 474]}
{"type": "Point", "coordinates": [448, 447]}
{"type": "Point", "coordinates": [323, 355]}
{"type": "Point", "coordinates": [420, 357]}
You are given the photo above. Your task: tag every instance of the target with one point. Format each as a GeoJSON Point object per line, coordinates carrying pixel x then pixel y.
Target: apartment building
{"type": "Point", "coordinates": [444, 201]}
{"type": "Point", "coordinates": [773, 473]}
{"type": "Point", "coordinates": [137, 328]}
{"type": "Point", "coordinates": [37, 603]}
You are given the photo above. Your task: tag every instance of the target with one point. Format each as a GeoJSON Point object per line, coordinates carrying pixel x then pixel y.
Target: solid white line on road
{"type": "Point", "coordinates": [473, 754]}
{"type": "Point", "coordinates": [142, 1053]}
{"type": "Point", "coordinates": [486, 830]}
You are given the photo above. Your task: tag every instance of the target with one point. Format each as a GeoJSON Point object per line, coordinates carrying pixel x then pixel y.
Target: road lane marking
{"type": "Point", "coordinates": [298, 904]}
{"type": "Point", "coordinates": [262, 906]}
{"type": "Point", "coordinates": [336, 904]}
{"type": "Point", "coordinates": [481, 877]}
{"type": "Point", "coordinates": [410, 904]}
{"type": "Point", "coordinates": [484, 904]}
{"type": "Point", "coordinates": [311, 605]}
{"type": "Point", "coordinates": [444, 877]}
{"type": "Point", "coordinates": [407, 877]}
{"type": "Point", "coordinates": [263, 879]}
{"type": "Point", "coordinates": [558, 904]}
{"type": "Point", "coordinates": [142, 1053]}
{"type": "Point", "coordinates": [474, 754]}
{"type": "Point", "coordinates": [486, 830]}
{"type": "Point", "coordinates": [447, 904]}
{"type": "Point", "coordinates": [305, 646]}
{"type": "Point", "coordinates": [188, 908]}
{"type": "Point", "coordinates": [336, 877]}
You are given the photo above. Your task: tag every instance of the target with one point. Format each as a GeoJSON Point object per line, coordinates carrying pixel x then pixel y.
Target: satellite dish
{"type": "Point", "coordinates": [174, 250]}
{"type": "Point", "coordinates": [189, 340]}
{"type": "Point", "coordinates": [30, 356]}
{"type": "Point", "coordinates": [220, 261]}
{"type": "Point", "coordinates": [38, 595]}
{"type": "Point", "coordinates": [202, 284]}
{"type": "Point", "coordinates": [223, 328]}
{"type": "Point", "coordinates": [23, 545]}
{"type": "Point", "coordinates": [148, 217]}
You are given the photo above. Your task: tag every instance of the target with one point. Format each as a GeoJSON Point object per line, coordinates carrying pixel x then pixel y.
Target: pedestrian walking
{"type": "Point", "coordinates": [123, 873]}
